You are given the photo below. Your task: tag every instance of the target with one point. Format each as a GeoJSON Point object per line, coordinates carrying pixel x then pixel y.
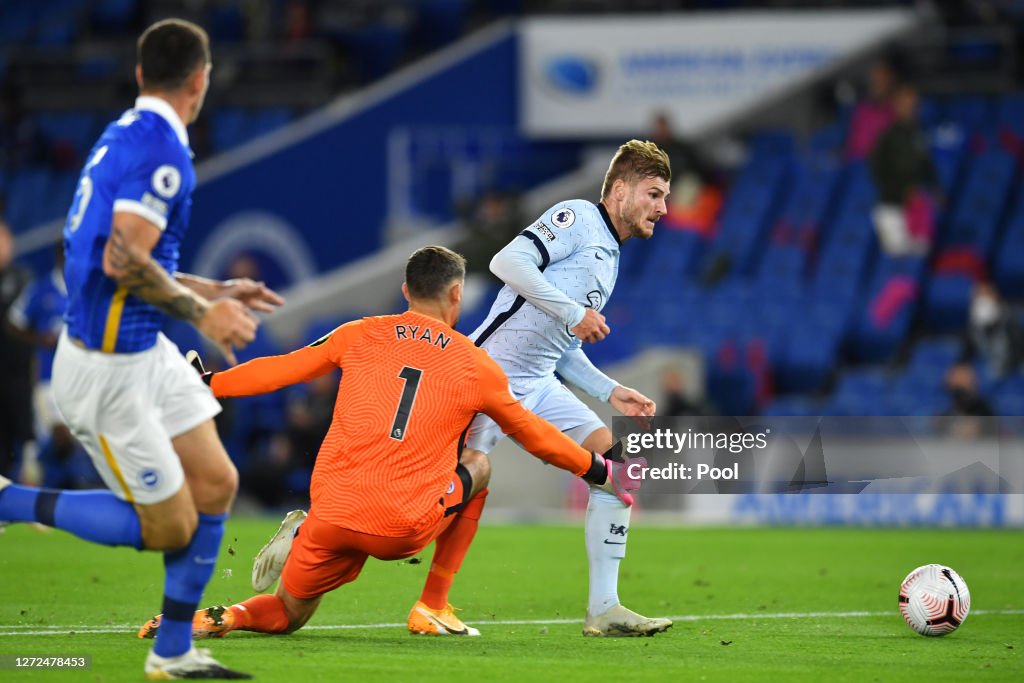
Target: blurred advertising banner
{"type": "Point", "coordinates": [610, 75]}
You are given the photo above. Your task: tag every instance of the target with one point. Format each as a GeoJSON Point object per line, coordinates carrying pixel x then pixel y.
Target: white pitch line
{"type": "Point", "coordinates": [31, 630]}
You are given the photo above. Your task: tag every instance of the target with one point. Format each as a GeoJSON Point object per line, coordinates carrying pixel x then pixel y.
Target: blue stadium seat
{"type": "Point", "coordinates": [228, 128]}
{"type": "Point", "coordinates": [973, 112]}
{"type": "Point", "coordinates": [748, 211]}
{"type": "Point", "coordinates": [1009, 259]}
{"type": "Point", "coordinates": [27, 195]}
{"type": "Point", "coordinates": [881, 327]}
{"type": "Point", "coordinates": [1010, 113]}
{"type": "Point", "coordinates": [76, 128]}
{"type": "Point", "coordinates": [946, 300]}
{"type": "Point", "coordinates": [813, 184]}
{"type": "Point", "coordinates": [58, 23]}
{"type": "Point", "coordinates": [981, 202]}
{"type": "Point", "coordinates": [16, 22]}
{"type": "Point", "coordinates": [948, 144]}
{"type": "Point", "coordinates": [935, 355]}
{"type": "Point", "coordinates": [795, 406]}
{"type": "Point", "coordinates": [809, 357]}
{"type": "Point", "coordinates": [114, 16]}
{"type": "Point", "coordinates": [772, 144]}
{"type": "Point", "coordinates": [225, 23]}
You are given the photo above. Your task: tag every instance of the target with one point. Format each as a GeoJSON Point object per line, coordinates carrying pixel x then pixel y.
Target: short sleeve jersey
{"type": "Point", "coordinates": [579, 252]}
{"type": "Point", "coordinates": [141, 164]}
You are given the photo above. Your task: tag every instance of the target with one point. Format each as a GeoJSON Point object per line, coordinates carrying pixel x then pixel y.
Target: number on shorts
{"type": "Point", "coordinates": [412, 384]}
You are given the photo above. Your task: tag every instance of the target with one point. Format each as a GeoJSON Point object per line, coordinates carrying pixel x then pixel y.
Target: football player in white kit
{"type": "Point", "coordinates": [558, 274]}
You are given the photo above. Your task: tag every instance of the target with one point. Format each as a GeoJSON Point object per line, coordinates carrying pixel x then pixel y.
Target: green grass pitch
{"type": "Point", "coordinates": [751, 605]}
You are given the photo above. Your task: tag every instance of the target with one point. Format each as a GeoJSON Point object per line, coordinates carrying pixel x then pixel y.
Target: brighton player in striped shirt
{"type": "Point", "coordinates": [126, 392]}
{"type": "Point", "coordinates": [389, 479]}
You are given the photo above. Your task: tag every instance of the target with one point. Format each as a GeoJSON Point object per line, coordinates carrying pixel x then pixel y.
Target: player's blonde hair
{"type": "Point", "coordinates": [635, 160]}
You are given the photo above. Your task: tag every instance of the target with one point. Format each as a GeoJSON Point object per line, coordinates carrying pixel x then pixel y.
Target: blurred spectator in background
{"type": "Point", "coordinates": [675, 400]}
{"type": "Point", "coordinates": [36, 318]}
{"type": "Point", "coordinates": [696, 195]}
{"type": "Point", "coordinates": [15, 360]}
{"type": "Point", "coordinates": [491, 223]}
{"type": "Point", "coordinates": [962, 385]}
{"type": "Point", "coordinates": [968, 406]}
{"type": "Point", "coordinates": [992, 333]}
{"type": "Point", "coordinates": [56, 460]}
{"type": "Point", "coordinates": [874, 114]}
{"type": "Point", "coordinates": [906, 180]}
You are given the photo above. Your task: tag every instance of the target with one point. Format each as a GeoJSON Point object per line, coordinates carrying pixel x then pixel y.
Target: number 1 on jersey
{"type": "Point", "coordinates": [412, 384]}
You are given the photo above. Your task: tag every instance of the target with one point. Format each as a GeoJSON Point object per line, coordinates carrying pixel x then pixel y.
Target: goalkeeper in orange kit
{"type": "Point", "coordinates": [388, 478]}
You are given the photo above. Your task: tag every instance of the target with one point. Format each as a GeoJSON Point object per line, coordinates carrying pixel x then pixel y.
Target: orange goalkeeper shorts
{"type": "Point", "coordinates": [325, 556]}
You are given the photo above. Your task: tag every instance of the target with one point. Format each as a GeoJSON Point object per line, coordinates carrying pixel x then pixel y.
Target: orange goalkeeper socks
{"type": "Point", "coordinates": [261, 613]}
{"type": "Point", "coordinates": [451, 549]}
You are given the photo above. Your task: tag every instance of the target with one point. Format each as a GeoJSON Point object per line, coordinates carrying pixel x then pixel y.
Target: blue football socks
{"type": "Point", "coordinates": [98, 516]}
{"type": "Point", "coordinates": [187, 573]}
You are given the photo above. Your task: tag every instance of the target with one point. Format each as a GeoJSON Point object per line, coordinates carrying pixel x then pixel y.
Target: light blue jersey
{"type": "Point", "coordinates": [579, 252]}
{"type": "Point", "coordinates": [141, 164]}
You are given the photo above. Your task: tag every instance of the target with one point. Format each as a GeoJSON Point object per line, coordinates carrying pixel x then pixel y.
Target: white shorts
{"type": "Point", "coordinates": [125, 408]}
{"type": "Point", "coordinates": [553, 402]}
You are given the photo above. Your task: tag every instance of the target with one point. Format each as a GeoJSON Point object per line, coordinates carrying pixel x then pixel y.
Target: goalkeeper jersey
{"type": "Point", "coordinates": [410, 387]}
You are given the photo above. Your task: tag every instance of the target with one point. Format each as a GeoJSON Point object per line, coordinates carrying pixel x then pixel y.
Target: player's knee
{"type": "Point", "coordinates": [227, 484]}
{"type": "Point", "coordinates": [170, 532]}
{"type": "Point", "coordinates": [479, 468]}
{"type": "Point", "coordinates": [214, 493]}
{"type": "Point", "coordinates": [599, 441]}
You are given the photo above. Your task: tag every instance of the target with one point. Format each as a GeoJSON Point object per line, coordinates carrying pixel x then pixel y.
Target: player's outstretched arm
{"type": "Point", "coordinates": [128, 260]}
{"type": "Point", "coordinates": [270, 373]}
{"type": "Point", "coordinates": [255, 295]}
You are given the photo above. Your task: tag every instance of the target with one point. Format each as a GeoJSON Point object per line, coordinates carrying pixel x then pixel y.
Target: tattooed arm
{"type": "Point", "coordinates": [128, 259]}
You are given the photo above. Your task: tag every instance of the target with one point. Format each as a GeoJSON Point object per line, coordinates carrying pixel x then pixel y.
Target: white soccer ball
{"type": "Point", "coordinates": [934, 600]}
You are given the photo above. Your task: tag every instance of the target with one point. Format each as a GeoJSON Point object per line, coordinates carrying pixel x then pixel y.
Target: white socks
{"type": "Point", "coordinates": [605, 529]}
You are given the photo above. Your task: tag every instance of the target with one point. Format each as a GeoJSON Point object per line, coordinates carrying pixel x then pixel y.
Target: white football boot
{"type": "Point", "coordinates": [269, 562]}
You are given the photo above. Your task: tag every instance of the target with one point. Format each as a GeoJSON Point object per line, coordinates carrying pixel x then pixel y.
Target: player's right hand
{"type": "Point", "coordinates": [229, 325]}
{"type": "Point", "coordinates": [592, 328]}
